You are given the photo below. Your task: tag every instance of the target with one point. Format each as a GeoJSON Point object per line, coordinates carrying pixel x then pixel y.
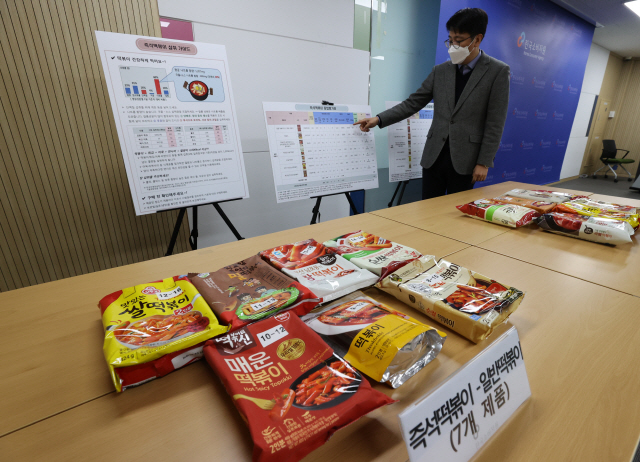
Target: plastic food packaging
{"type": "Point", "coordinates": [152, 329]}
{"type": "Point", "coordinates": [386, 345]}
{"type": "Point", "coordinates": [468, 303]}
{"type": "Point", "coordinates": [594, 229]}
{"type": "Point", "coordinates": [289, 386]}
{"type": "Point", "coordinates": [513, 216]}
{"type": "Point", "coordinates": [250, 290]}
{"type": "Point", "coordinates": [542, 195]}
{"type": "Point", "coordinates": [328, 275]}
{"type": "Point", "coordinates": [606, 205]}
{"type": "Point", "coordinates": [590, 208]}
{"type": "Point", "coordinates": [537, 205]}
{"type": "Point", "coordinates": [372, 252]}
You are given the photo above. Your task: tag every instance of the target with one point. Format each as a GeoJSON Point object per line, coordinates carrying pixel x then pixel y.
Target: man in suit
{"type": "Point", "coordinates": [470, 95]}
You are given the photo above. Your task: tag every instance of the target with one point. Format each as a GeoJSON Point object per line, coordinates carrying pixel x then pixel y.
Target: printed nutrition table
{"type": "Point", "coordinates": [316, 150]}
{"type": "Point", "coordinates": [407, 139]}
{"type": "Point", "coordinates": [178, 137]}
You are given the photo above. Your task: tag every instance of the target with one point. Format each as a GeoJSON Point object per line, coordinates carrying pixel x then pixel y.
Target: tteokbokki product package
{"type": "Point", "coordinates": [468, 303]}
{"type": "Point", "coordinates": [250, 290]}
{"type": "Point", "coordinates": [371, 252]}
{"type": "Point", "coordinates": [290, 387]}
{"type": "Point", "coordinates": [154, 328]}
{"type": "Point", "coordinates": [385, 344]}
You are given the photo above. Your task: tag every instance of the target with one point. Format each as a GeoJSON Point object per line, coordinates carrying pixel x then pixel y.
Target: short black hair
{"type": "Point", "coordinates": [470, 20]}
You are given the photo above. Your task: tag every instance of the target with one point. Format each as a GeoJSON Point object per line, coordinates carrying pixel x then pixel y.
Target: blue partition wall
{"type": "Point", "coordinates": [547, 49]}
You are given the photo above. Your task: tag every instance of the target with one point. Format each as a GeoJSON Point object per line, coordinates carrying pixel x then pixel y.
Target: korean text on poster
{"type": "Point", "coordinates": [173, 107]}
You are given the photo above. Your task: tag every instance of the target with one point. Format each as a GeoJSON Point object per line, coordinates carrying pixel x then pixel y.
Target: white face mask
{"type": "Point", "coordinates": [459, 54]}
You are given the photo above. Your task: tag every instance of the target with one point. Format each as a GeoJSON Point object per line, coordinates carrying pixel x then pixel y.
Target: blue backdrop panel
{"type": "Point", "coordinates": [547, 49]}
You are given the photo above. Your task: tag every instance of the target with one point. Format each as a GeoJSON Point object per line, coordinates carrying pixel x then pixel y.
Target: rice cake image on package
{"type": "Point", "coordinates": [328, 275]}
{"type": "Point", "coordinates": [291, 389]}
{"type": "Point", "coordinates": [594, 229]}
{"type": "Point", "coordinates": [467, 302]}
{"type": "Point", "coordinates": [371, 252]}
{"type": "Point", "coordinates": [250, 290]}
{"type": "Point", "coordinates": [154, 328]}
{"type": "Point", "coordinates": [385, 344]}
{"type": "Point", "coordinates": [513, 216]}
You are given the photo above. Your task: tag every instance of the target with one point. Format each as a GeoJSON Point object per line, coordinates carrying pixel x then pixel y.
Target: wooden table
{"type": "Point", "coordinates": [613, 267]}
{"type": "Point", "coordinates": [440, 216]}
{"type": "Point", "coordinates": [53, 333]}
{"type": "Point", "coordinates": [580, 341]}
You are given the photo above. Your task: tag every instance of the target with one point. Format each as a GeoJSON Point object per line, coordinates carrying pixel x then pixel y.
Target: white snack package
{"type": "Point", "coordinates": [326, 274]}
{"type": "Point", "coordinates": [594, 229]}
{"type": "Point", "coordinates": [539, 194]}
{"type": "Point", "coordinates": [372, 252]}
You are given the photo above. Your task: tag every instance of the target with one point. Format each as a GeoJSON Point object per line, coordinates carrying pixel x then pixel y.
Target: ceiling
{"type": "Point", "coordinates": [620, 31]}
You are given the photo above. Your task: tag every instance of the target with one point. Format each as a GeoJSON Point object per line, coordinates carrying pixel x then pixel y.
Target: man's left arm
{"type": "Point", "coordinates": [495, 118]}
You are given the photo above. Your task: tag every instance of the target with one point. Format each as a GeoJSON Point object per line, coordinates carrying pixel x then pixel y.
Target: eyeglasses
{"type": "Point", "coordinates": [454, 44]}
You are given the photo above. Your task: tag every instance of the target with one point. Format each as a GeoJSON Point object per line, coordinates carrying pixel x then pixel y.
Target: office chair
{"type": "Point", "coordinates": [608, 158]}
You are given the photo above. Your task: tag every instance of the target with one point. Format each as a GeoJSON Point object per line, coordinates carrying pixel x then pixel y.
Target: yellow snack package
{"type": "Point", "coordinates": [385, 344]}
{"type": "Point", "coordinates": [155, 328]}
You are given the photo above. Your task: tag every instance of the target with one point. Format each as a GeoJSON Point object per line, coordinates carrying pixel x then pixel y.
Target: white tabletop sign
{"type": "Point", "coordinates": [173, 107]}
{"type": "Point", "coordinates": [455, 420]}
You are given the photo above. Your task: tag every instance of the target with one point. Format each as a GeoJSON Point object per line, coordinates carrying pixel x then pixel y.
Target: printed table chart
{"type": "Point", "coordinates": [178, 137]}
{"type": "Point", "coordinates": [316, 150]}
{"type": "Point", "coordinates": [406, 144]}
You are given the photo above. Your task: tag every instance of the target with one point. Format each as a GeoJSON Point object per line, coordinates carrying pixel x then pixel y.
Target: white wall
{"type": "Point", "coordinates": [279, 50]}
{"type": "Point", "coordinates": [325, 21]}
{"type": "Point", "coordinates": [593, 76]}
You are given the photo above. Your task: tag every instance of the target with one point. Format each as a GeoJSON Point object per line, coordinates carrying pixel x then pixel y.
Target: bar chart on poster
{"type": "Point", "coordinates": [144, 81]}
{"type": "Point", "coordinates": [406, 143]}
{"type": "Point", "coordinates": [316, 150]}
{"type": "Point", "coordinates": [176, 120]}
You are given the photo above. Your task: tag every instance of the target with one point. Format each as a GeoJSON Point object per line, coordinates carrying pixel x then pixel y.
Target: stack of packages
{"type": "Point", "coordinates": [515, 208]}
{"type": "Point", "coordinates": [292, 337]}
{"type": "Point", "coordinates": [560, 213]}
{"type": "Point", "coordinates": [594, 221]}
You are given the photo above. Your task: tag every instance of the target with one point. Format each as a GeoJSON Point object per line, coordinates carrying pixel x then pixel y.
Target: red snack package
{"type": "Point", "coordinates": [250, 290]}
{"type": "Point", "coordinates": [287, 382]}
{"type": "Point", "coordinates": [293, 256]}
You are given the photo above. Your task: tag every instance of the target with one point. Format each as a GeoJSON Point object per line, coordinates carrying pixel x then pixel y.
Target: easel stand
{"type": "Point", "coordinates": [402, 185]}
{"type": "Point", "coordinates": [316, 208]}
{"type": "Point", "coordinates": [193, 236]}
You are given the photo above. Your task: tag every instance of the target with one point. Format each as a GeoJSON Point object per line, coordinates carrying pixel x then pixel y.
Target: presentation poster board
{"type": "Point", "coordinates": [173, 107]}
{"type": "Point", "coordinates": [406, 143]}
{"type": "Point", "coordinates": [316, 150]}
